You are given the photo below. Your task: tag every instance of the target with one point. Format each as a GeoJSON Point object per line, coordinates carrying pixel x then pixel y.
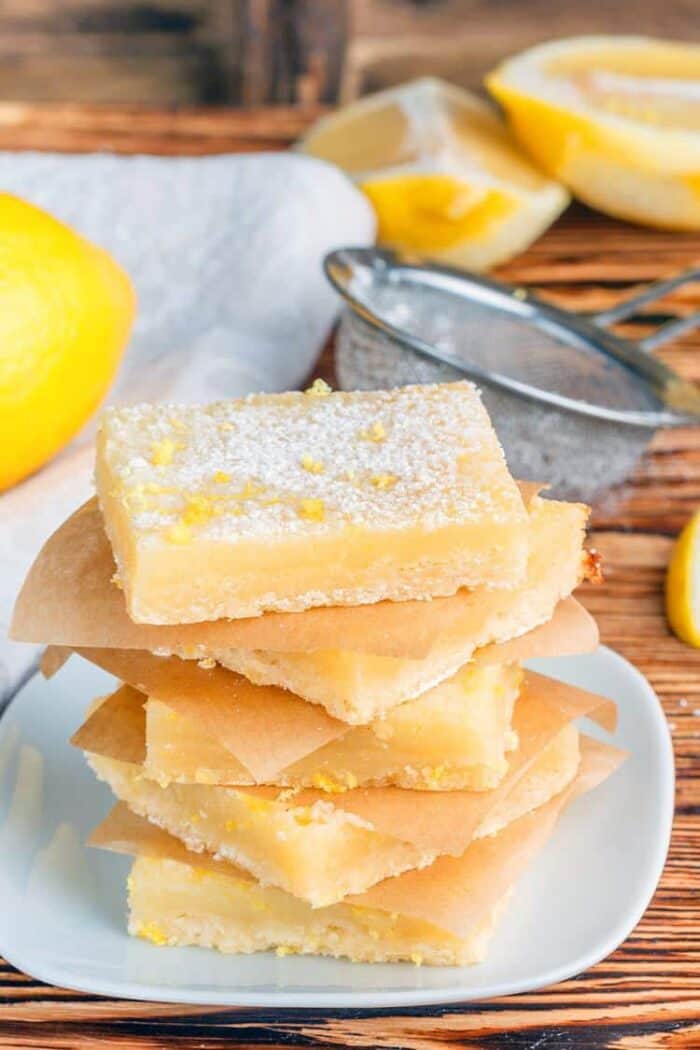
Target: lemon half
{"type": "Point", "coordinates": [443, 174]}
{"type": "Point", "coordinates": [617, 119]}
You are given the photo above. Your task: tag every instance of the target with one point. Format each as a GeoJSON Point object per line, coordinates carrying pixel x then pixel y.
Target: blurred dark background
{"type": "Point", "coordinates": [247, 52]}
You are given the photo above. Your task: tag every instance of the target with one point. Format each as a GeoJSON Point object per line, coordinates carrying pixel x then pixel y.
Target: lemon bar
{"type": "Point", "coordinates": [176, 897]}
{"type": "Point", "coordinates": [174, 903]}
{"type": "Point", "coordinates": [288, 501]}
{"type": "Point", "coordinates": [357, 687]}
{"type": "Point", "coordinates": [69, 599]}
{"type": "Point", "coordinates": [455, 736]}
{"type": "Point", "coordinates": [440, 915]}
{"type": "Point", "coordinates": [321, 851]}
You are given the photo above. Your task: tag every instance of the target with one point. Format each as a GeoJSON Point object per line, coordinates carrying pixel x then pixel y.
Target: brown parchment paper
{"type": "Point", "coordinates": [453, 893]}
{"type": "Point", "coordinates": [439, 821]}
{"type": "Point", "coordinates": [116, 727]}
{"type": "Point", "coordinates": [266, 728]}
{"type": "Point", "coordinates": [571, 630]}
{"type": "Point", "coordinates": [69, 599]}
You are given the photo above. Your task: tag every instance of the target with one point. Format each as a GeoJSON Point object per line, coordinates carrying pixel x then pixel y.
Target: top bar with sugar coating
{"type": "Point", "coordinates": [288, 501]}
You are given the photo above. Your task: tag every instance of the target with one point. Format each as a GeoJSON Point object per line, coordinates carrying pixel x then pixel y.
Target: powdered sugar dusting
{"type": "Point", "coordinates": [300, 463]}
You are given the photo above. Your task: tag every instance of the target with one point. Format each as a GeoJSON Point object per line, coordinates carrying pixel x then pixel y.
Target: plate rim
{"type": "Point", "coordinates": [415, 997]}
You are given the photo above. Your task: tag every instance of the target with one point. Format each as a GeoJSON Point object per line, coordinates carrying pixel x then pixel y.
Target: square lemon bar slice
{"type": "Point", "coordinates": [455, 736]}
{"type": "Point", "coordinates": [288, 501]}
{"type": "Point", "coordinates": [211, 904]}
{"type": "Point", "coordinates": [177, 897]}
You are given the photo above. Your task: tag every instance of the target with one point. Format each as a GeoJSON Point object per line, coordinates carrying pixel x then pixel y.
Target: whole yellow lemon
{"type": "Point", "coordinates": [66, 310]}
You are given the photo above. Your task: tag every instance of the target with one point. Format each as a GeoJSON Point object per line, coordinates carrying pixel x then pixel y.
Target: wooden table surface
{"type": "Point", "coordinates": [646, 996]}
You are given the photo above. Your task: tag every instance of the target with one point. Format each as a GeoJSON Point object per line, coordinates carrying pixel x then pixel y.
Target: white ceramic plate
{"type": "Point", "coordinates": [62, 906]}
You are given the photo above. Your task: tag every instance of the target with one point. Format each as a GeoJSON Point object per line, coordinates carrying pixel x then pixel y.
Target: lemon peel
{"type": "Point", "coordinates": [442, 173]}
{"type": "Point", "coordinates": [613, 118]}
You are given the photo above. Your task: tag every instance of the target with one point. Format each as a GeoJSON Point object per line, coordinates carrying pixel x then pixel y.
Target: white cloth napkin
{"type": "Point", "coordinates": [225, 254]}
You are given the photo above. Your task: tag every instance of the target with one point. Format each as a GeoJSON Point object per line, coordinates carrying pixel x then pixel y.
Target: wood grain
{"type": "Point", "coordinates": [173, 52]}
{"type": "Point", "coordinates": [646, 995]}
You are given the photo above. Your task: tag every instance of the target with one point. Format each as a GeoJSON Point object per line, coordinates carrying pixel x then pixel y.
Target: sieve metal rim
{"type": "Point", "coordinates": [680, 399]}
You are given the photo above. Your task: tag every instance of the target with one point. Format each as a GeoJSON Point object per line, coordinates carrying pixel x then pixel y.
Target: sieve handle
{"type": "Point", "coordinates": [669, 331]}
{"type": "Point", "coordinates": [652, 294]}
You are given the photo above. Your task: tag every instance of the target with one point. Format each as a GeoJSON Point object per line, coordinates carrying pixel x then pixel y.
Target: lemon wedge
{"type": "Point", "coordinates": [683, 584]}
{"type": "Point", "coordinates": [617, 119]}
{"type": "Point", "coordinates": [442, 173]}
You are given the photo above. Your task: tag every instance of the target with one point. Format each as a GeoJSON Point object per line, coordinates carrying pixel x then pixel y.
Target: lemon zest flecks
{"type": "Point", "coordinates": [433, 776]}
{"type": "Point", "coordinates": [162, 452]}
{"type": "Point", "coordinates": [327, 783]}
{"type": "Point", "coordinates": [150, 931]}
{"type": "Point", "coordinates": [375, 433]}
{"type": "Point", "coordinates": [312, 510]}
{"type": "Point", "coordinates": [383, 481]}
{"type": "Point", "coordinates": [319, 388]}
{"type": "Point", "coordinates": [314, 466]}
{"type": "Point", "coordinates": [198, 509]}
{"type": "Point", "coordinates": [334, 785]}
{"type": "Point", "coordinates": [221, 477]}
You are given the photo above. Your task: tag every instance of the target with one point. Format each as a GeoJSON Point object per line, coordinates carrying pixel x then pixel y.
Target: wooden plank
{"type": "Point", "coordinates": [173, 52]}
{"type": "Point", "coordinates": [646, 995]}
{"type": "Point", "coordinates": [131, 129]}
{"type": "Point", "coordinates": [293, 51]}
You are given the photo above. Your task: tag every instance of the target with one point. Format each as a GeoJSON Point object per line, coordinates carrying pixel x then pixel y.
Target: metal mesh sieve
{"type": "Point", "coordinates": [573, 404]}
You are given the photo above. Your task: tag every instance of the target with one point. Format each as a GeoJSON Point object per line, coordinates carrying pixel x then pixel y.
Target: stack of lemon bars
{"type": "Point", "coordinates": [317, 605]}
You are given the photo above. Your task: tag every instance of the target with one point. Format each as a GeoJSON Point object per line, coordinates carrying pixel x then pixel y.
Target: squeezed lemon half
{"type": "Point", "coordinates": [617, 119]}
{"type": "Point", "coordinates": [683, 584]}
{"type": "Point", "coordinates": [443, 174]}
